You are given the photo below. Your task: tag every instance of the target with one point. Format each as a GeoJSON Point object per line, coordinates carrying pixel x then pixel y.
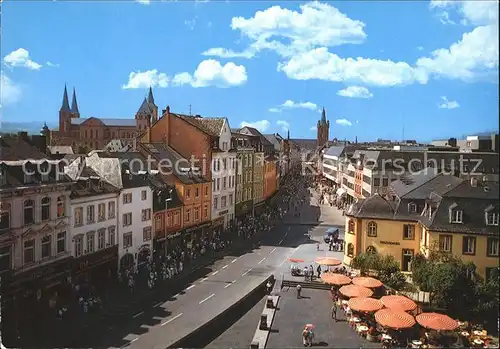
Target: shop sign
{"type": "Point", "coordinates": [173, 236]}
{"type": "Point", "coordinates": [44, 272]}
{"type": "Point", "coordinates": [190, 230]}
{"type": "Point", "coordinates": [222, 213]}
{"type": "Point", "coordinates": [95, 259]}
{"type": "Point", "coordinates": [396, 243]}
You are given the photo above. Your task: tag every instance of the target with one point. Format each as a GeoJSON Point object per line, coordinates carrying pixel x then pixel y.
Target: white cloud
{"type": "Point", "coordinates": [447, 104]}
{"type": "Point", "coordinates": [343, 122]}
{"type": "Point", "coordinates": [355, 92]}
{"type": "Point", "coordinates": [52, 65]}
{"type": "Point", "coordinates": [149, 78]}
{"type": "Point", "coordinates": [9, 92]}
{"type": "Point", "coordinates": [313, 128]}
{"type": "Point", "coordinates": [21, 58]}
{"type": "Point", "coordinates": [191, 24]}
{"type": "Point", "coordinates": [475, 12]}
{"type": "Point", "coordinates": [285, 126]}
{"type": "Point", "coordinates": [261, 125]}
{"type": "Point", "coordinates": [420, 48]}
{"type": "Point", "coordinates": [316, 24]}
{"type": "Point", "coordinates": [323, 65]}
{"type": "Point", "coordinates": [144, 2]}
{"type": "Point", "coordinates": [211, 73]}
{"type": "Point", "coordinates": [289, 104]}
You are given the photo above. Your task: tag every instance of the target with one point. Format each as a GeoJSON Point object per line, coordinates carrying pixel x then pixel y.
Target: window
{"type": "Point", "coordinates": [213, 184]}
{"type": "Point", "coordinates": [101, 208]}
{"type": "Point", "coordinates": [206, 190]}
{"type": "Point", "coordinates": [406, 261]}
{"type": "Point", "coordinates": [469, 245]}
{"type": "Point", "coordinates": [408, 232]}
{"type": "Point", "coordinates": [127, 198]}
{"type": "Point", "coordinates": [197, 193]}
{"type": "Point", "coordinates": [492, 250]}
{"type": "Point", "coordinates": [218, 184]}
{"type": "Point", "coordinates": [188, 193]}
{"type": "Point", "coordinates": [46, 246]}
{"type": "Point", "coordinates": [223, 202]}
{"type": "Point", "coordinates": [90, 242]}
{"type": "Point", "coordinates": [376, 182]}
{"type": "Point", "coordinates": [188, 215]}
{"type": "Point", "coordinates": [230, 199]}
{"type": "Point", "coordinates": [101, 239]}
{"type": "Point", "coordinates": [350, 250]}
{"type": "Point", "coordinates": [111, 233]}
{"type": "Point", "coordinates": [412, 208]}
{"type": "Point", "coordinates": [61, 206]}
{"type": "Point", "coordinates": [144, 195]}
{"type": "Point", "coordinates": [29, 212]}
{"type": "Point", "coordinates": [146, 214]}
{"type": "Point", "coordinates": [169, 220]}
{"type": "Point", "coordinates": [224, 161]}
{"type": "Point", "coordinates": [456, 216]}
{"type": "Point", "coordinates": [90, 214]}
{"type": "Point", "coordinates": [385, 182]}
{"type": "Point", "coordinates": [61, 242]}
{"type": "Point", "coordinates": [177, 218]}
{"type": "Point", "coordinates": [29, 251]}
{"type": "Point", "coordinates": [215, 203]}
{"type": "Point", "coordinates": [78, 216]}
{"type": "Point", "coordinates": [146, 233]}
{"type": "Point", "coordinates": [127, 240]}
{"type": "Point", "coordinates": [351, 227]}
{"type": "Point", "coordinates": [111, 209]}
{"type": "Point", "coordinates": [205, 211]}
{"type": "Point", "coordinates": [127, 219]}
{"type": "Point", "coordinates": [372, 229]}
{"type": "Point", "coordinates": [224, 183]}
{"type": "Point", "coordinates": [5, 258]}
{"type": "Point", "coordinates": [196, 213]}
{"type": "Point", "coordinates": [445, 243]}
{"type": "Point", "coordinates": [491, 273]}
{"type": "Point", "coordinates": [4, 216]}
{"type": "Point", "coordinates": [492, 218]}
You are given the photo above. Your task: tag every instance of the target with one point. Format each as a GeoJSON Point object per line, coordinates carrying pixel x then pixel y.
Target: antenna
{"type": "Point", "coordinates": [190, 110]}
{"type": "Point", "coordinates": [403, 128]}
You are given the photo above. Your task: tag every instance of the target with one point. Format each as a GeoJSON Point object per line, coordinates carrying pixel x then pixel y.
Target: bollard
{"type": "Point", "coordinates": [269, 303]}
{"type": "Point", "coordinates": [254, 345]}
{"type": "Point", "coordinates": [263, 322]}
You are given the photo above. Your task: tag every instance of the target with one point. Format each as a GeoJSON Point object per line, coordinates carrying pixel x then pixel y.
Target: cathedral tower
{"type": "Point", "coordinates": [323, 130]}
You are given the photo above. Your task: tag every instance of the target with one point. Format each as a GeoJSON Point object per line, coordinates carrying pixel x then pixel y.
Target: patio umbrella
{"type": "Point", "coordinates": [355, 291]}
{"type": "Point", "coordinates": [365, 304]}
{"type": "Point", "coordinates": [296, 260]}
{"type": "Point", "coordinates": [310, 326]}
{"type": "Point", "coordinates": [399, 303]}
{"type": "Point", "coordinates": [436, 321]}
{"type": "Point", "coordinates": [329, 261]}
{"type": "Point", "coordinates": [395, 319]}
{"type": "Point", "coordinates": [366, 282]}
{"type": "Point", "coordinates": [335, 279]}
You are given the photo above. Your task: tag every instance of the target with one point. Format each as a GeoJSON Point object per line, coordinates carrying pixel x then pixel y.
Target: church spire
{"type": "Point", "coordinates": [65, 102]}
{"type": "Point", "coordinates": [323, 116]}
{"type": "Point", "coordinates": [74, 103]}
{"type": "Point", "coordinates": [288, 135]}
{"type": "Point", "coordinates": [151, 99]}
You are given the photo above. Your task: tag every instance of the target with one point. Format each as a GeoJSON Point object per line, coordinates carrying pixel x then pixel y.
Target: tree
{"type": "Point", "coordinates": [385, 267]}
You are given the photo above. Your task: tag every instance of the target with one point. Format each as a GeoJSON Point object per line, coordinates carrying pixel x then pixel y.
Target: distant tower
{"type": "Point", "coordinates": [74, 106]}
{"type": "Point", "coordinates": [64, 113]}
{"type": "Point", "coordinates": [147, 113]}
{"type": "Point", "coordinates": [323, 130]}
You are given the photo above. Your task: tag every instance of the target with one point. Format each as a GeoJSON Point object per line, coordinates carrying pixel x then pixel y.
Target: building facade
{"type": "Point", "coordinates": [428, 213]}
{"type": "Point", "coordinates": [244, 175]}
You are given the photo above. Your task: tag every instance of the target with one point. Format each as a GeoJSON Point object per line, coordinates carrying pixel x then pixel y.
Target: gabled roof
{"type": "Point", "coordinates": [305, 144]}
{"type": "Point", "coordinates": [212, 126]}
{"type": "Point", "coordinates": [335, 151]}
{"type": "Point", "coordinates": [374, 206]}
{"type": "Point", "coordinates": [107, 122]}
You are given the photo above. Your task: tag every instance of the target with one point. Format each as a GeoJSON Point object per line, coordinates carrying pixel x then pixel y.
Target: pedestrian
{"type": "Point", "coordinates": [318, 270]}
{"type": "Point", "coordinates": [299, 289]}
{"type": "Point", "coordinates": [305, 336]}
{"type": "Point", "coordinates": [334, 311]}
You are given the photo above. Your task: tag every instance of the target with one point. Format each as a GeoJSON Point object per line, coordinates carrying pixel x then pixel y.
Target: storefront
{"type": "Point", "coordinates": [260, 207]}
{"type": "Point", "coordinates": [218, 223]}
{"type": "Point", "coordinates": [243, 208]}
{"type": "Point", "coordinates": [143, 255]}
{"type": "Point", "coordinates": [195, 234]}
{"type": "Point", "coordinates": [96, 268]}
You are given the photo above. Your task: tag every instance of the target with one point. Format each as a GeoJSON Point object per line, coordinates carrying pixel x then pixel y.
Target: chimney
{"type": "Point", "coordinates": [23, 135]}
{"type": "Point", "coordinates": [452, 142]}
{"type": "Point", "coordinates": [473, 182]}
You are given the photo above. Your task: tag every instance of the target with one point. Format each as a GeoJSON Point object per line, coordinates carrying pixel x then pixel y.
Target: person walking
{"type": "Point", "coordinates": [299, 289]}
{"type": "Point", "coordinates": [334, 311]}
{"type": "Point", "coordinates": [318, 270]}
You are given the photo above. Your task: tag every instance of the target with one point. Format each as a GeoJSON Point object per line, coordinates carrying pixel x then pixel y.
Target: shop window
{"type": "Point", "coordinates": [350, 250]}
{"type": "Point", "coordinates": [372, 229]}
{"type": "Point", "coordinates": [29, 212]}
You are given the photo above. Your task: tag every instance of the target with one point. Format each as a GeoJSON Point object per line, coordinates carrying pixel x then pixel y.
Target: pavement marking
{"type": "Point", "coordinates": [138, 314]}
{"type": "Point", "coordinates": [158, 304]}
{"type": "Point", "coordinates": [190, 287]}
{"type": "Point", "coordinates": [245, 273]}
{"type": "Point", "coordinates": [224, 267]}
{"type": "Point", "coordinates": [274, 249]}
{"type": "Point", "coordinates": [262, 260]}
{"type": "Point", "coordinates": [206, 299]}
{"type": "Point", "coordinates": [204, 279]}
{"type": "Point", "coordinates": [234, 260]}
{"type": "Point", "coordinates": [172, 319]}
{"type": "Point", "coordinates": [229, 284]}
{"type": "Point", "coordinates": [284, 260]}
{"type": "Point", "coordinates": [215, 272]}
{"type": "Point", "coordinates": [281, 241]}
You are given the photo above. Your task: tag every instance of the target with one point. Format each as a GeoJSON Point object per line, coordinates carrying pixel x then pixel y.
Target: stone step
{"type": "Point", "coordinates": [305, 284]}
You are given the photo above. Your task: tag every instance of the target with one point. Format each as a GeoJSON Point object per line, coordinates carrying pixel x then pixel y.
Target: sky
{"type": "Point", "coordinates": [391, 70]}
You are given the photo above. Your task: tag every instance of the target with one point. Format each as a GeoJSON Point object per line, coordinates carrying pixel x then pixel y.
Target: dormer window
{"type": "Point", "coordinates": [492, 218]}
{"type": "Point", "coordinates": [412, 208]}
{"type": "Point", "coordinates": [456, 216]}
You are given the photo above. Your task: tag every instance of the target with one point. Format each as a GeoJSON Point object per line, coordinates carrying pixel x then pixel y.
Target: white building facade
{"type": "Point", "coordinates": [224, 168]}
{"type": "Point", "coordinates": [135, 208]}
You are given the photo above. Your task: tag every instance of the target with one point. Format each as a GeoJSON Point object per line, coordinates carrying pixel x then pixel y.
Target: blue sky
{"type": "Point", "coordinates": [374, 66]}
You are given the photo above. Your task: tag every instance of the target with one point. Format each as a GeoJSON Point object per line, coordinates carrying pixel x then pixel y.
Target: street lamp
{"type": "Point", "coordinates": [166, 218]}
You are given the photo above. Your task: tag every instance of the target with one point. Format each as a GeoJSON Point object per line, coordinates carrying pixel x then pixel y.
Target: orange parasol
{"type": "Point", "coordinates": [399, 303]}
{"type": "Point", "coordinates": [296, 260]}
{"type": "Point", "coordinates": [365, 304]}
{"type": "Point", "coordinates": [355, 291]}
{"type": "Point", "coordinates": [330, 261]}
{"type": "Point", "coordinates": [310, 326]}
{"type": "Point", "coordinates": [366, 282]}
{"type": "Point", "coordinates": [335, 279]}
{"type": "Point", "coordinates": [396, 319]}
{"type": "Point", "coordinates": [436, 321]}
